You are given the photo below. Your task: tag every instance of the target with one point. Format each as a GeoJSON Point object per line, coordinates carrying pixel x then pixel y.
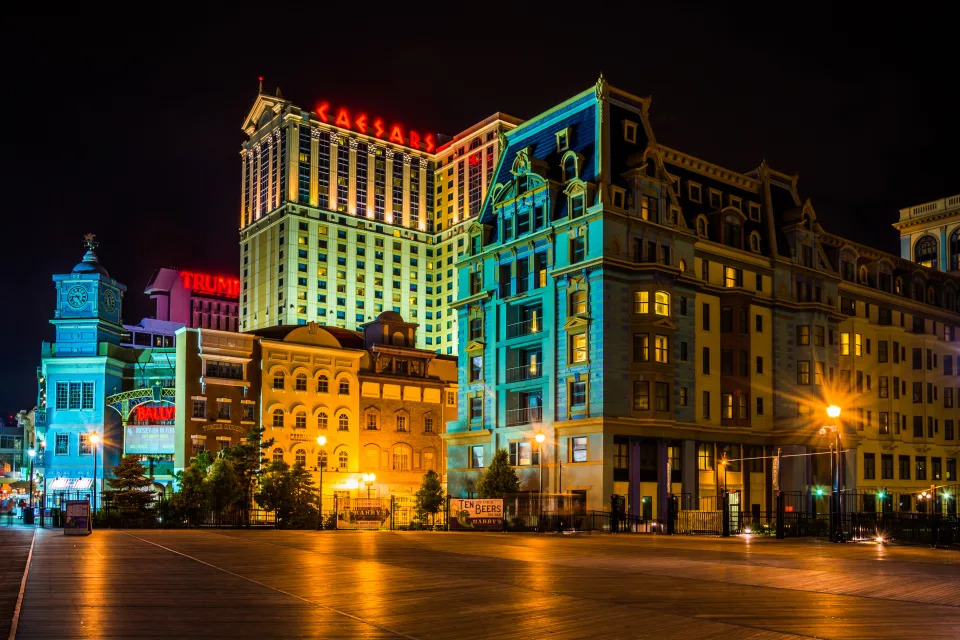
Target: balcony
{"type": "Point", "coordinates": [525, 327]}
{"type": "Point", "coordinates": [526, 415]}
{"type": "Point", "coordinates": [528, 371]}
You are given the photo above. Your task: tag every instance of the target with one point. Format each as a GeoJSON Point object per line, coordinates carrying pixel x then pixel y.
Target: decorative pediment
{"type": "Point", "coordinates": [263, 104]}
{"type": "Point", "coordinates": [666, 323]}
{"type": "Point", "coordinates": [576, 322]}
{"type": "Point", "coordinates": [475, 346]}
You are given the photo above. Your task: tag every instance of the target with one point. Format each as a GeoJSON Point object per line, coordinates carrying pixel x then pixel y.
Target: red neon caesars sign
{"type": "Point", "coordinates": [376, 127]}
{"type": "Point", "coordinates": [155, 414]}
{"type": "Point", "coordinates": [211, 285]}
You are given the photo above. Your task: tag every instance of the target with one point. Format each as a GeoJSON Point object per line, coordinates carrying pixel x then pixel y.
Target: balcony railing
{"type": "Point", "coordinates": [526, 415]}
{"type": "Point", "coordinates": [525, 327]}
{"type": "Point", "coordinates": [525, 372]}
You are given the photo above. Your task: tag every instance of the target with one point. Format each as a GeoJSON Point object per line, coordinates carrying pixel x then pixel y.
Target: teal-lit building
{"type": "Point", "coordinates": [668, 325]}
{"type": "Point", "coordinates": [83, 365]}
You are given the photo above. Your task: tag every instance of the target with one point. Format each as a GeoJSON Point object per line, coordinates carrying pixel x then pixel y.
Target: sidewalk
{"type": "Point", "coordinates": [15, 542]}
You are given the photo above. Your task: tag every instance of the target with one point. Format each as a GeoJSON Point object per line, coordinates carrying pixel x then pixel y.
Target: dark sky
{"type": "Point", "coordinates": [132, 131]}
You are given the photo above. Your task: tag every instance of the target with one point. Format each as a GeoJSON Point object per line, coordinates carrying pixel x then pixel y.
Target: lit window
{"type": "Point", "coordinates": [580, 449]}
{"type": "Point", "coordinates": [278, 418]}
{"type": "Point", "coordinates": [344, 387]}
{"type": "Point", "coordinates": [323, 384]}
{"type": "Point", "coordinates": [300, 382]}
{"type": "Point", "coordinates": [343, 422]}
{"type": "Point", "coordinates": [844, 344]}
{"type": "Point", "coordinates": [660, 349]}
{"type": "Point", "coordinates": [578, 302]}
{"type": "Point", "coordinates": [662, 303]}
{"type": "Point", "coordinates": [641, 302]}
{"type": "Point", "coordinates": [278, 380]}
{"type": "Point", "coordinates": [321, 420]}
{"type": "Point", "coordinates": [300, 457]}
{"type": "Point", "coordinates": [278, 455]}
{"type": "Point", "coordinates": [858, 344]}
{"type": "Point", "coordinates": [301, 420]}
{"type": "Point", "coordinates": [342, 460]}
{"type": "Point", "coordinates": [578, 347]}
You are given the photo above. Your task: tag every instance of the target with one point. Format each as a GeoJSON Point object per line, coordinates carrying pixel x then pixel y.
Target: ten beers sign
{"type": "Point", "coordinates": [476, 514]}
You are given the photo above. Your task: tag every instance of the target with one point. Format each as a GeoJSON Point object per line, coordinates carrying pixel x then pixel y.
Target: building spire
{"type": "Point", "coordinates": [260, 80]}
{"type": "Point", "coordinates": [90, 241]}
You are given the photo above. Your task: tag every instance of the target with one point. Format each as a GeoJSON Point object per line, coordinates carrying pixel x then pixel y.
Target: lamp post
{"type": "Point", "coordinates": [836, 535]}
{"type": "Point", "coordinates": [540, 438]}
{"type": "Point", "coordinates": [321, 462]}
{"type": "Point", "coordinates": [368, 479]}
{"type": "Point", "coordinates": [94, 440]}
{"type": "Point", "coordinates": [33, 454]}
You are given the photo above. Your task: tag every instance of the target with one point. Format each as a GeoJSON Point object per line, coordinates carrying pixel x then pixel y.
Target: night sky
{"type": "Point", "coordinates": [133, 132]}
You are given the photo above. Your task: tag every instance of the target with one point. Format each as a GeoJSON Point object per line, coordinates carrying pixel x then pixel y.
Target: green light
{"type": "Point", "coordinates": [881, 495]}
{"type": "Point", "coordinates": [819, 491]}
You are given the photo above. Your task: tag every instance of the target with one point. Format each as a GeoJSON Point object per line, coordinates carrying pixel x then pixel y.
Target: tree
{"type": "Point", "coordinates": [288, 492]}
{"type": "Point", "coordinates": [223, 486]}
{"type": "Point", "coordinates": [130, 488]}
{"type": "Point", "coordinates": [429, 497]}
{"type": "Point", "coordinates": [499, 479]}
{"type": "Point", "coordinates": [189, 501]}
{"type": "Point", "coordinates": [249, 462]}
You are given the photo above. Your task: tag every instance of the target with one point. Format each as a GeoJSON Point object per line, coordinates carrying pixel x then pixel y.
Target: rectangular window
{"type": "Point", "coordinates": [683, 397]}
{"type": "Point", "coordinates": [917, 426]}
{"type": "Point", "coordinates": [705, 456]}
{"type": "Point", "coordinates": [759, 364]}
{"type": "Point", "coordinates": [62, 444]}
{"type": "Point", "coordinates": [521, 454]}
{"type": "Point", "coordinates": [882, 351]}
{"type": "Point", "coordinates": [759, 323]}
{"type": "Point", "coordinates": [886, 466]}
{"type": "Point", "coordinates": [87, 400]}
{"type": "Point", "coordinates": [223, 410]}
{"type": "Point", "coordinates": [732, 277]}
{"type": "Point", "coordinates": [580, 449]}
{"type": "Point", "coordinates": [705, 405]}
{"type": "Point", "coordinates": [578, 348]}
{"type": "Point", "coordinates": [883, 386]}
{"type": "Point", "coordinates": [917, 392]}
{"type": "Point", "coordinates": [663, 396]}
{"type": "Point", "coordinates": [641, 302]}
{"type": "Point", "coordinates": [641, 347]}
{"type": "Point", "coordinates": [921, 465]}
{"type": "Point", "coordinates": [726, 362]}
{"type": "Point", "coordinates": [858, 344]}
{"type": "Point", "coordinates": [86, 448]}
{"type": "Point", "coordinates": [818, 335]}
{"type": "Point", "coordinates": [844, 343]}
{"type": "Point", "coordinates": [759, 406]}
{"type": "Point", "coordinates": [803, 372]}
{"type": "Point", "coordinates": [726, 406]}
{"type": "Point", "coordinates": [869, 466]}
{"type": "Point", "coordinates": [661, 349]}
{"type": "Point", "coordinates": [75, 395]}
{"type": "Point", "coordinates": [706, 361]}
{"type": "Point", "coordinates": [948, 433]}
{"type": "Point", "coordinates": [803, 334]}
{"type": "Point", "coordinates": [577, 249]}
{"type": "Point", "coordinates": [705, 316]}
{"type": "Point", "coordinates": [641, 395]}
{"type": "Point", "coordinates": [476, 408]}
{"type": "Point", "coordinates": [904, 462]}
{"type": "Point", "coordinates": [578, 394]}
{"type": "Point", "coordinates": [476, 457]}
{"type": "Point", "coordinates": [249, 412]}
{"type": "Point", "coordinates": [917, 358]}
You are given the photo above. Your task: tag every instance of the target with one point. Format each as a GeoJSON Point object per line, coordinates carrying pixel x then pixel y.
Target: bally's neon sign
{"type": "Point", "coordinates": [155, 414]}
{"type": "Point", "coordinates": [210, 285]}
{"type": "Point", "coordinates": [376, 127]}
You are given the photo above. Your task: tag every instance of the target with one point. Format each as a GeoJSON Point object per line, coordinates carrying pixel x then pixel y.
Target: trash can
{"type": "Point", "coordinates": [28, 514]}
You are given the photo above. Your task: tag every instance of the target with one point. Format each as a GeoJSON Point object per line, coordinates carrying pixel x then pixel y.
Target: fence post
{"type": "Point", "coordinates": [336, 518]}
{"type": "Point", "coordinates": [779, 515]}
{"type": "Point", "coordinates": [725, 525]}
{"type": "Point", "coordinates": [446, 514]}
{"type": "Point", "coordinates": [393, 510]}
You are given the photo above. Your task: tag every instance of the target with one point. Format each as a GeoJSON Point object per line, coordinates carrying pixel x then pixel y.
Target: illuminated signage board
{"type": "Point", "coordinates": [376, 127]}
{"type": "Point", "coordinates": [148, 439]}
{"type": "Point", "coordinates": [155, 414]}
{"type": "Point", "coordinates": [206, 284]}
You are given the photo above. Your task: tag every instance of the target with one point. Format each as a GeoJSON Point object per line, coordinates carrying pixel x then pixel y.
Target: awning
{"type": "Point", "coordinates": [64, 484]}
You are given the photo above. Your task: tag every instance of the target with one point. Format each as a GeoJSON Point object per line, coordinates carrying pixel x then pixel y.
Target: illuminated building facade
{"type": "Point", "coordinates": [930, 234]}
{"type": "Point", "coordinates": [346, 215]}
{"type": "Point", "coordinates": [195, 300]}
{"type": "Point", "coordinates": [654, 314]}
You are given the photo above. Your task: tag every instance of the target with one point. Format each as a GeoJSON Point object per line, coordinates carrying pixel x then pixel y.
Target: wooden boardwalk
{"type": "Point", "coordinates": [275, 584]}
{"type": "Point", "coordinates": [14, 547]}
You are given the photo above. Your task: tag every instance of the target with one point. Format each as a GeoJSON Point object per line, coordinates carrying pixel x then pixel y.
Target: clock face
{"type": "Point", "coordinates": [109, 300]}
{"type": "Point", "coordinates": [77, 297]}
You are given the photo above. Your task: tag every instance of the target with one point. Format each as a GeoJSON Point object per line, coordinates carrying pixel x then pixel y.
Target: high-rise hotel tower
{"type": "Point", "coordinates": [347, 214]}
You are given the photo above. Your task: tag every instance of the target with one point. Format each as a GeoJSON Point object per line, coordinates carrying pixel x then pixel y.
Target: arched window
{"type": "Point", "coordinates": [898, 286]}
{"type": "Point", "coordinates": [300, 382]}
{"type": "Point", "coordinates": [323, 384]}
{"type": "Point", "coordinates": [342, 460]}
{"type": "Point", "coordinates": [322, 459]}
{"type": "Point", "coordinates": [278, 417]}
{"type": "Point", "coordinates": [278, 455]}
{"type": "Point", "coordinates": [731, 232]}
{"type": "Point", "coordinates": [955, 250]}
{"type": "Point", "coordinates": [569, 168]}
{"type": "Point", "coordinates": [925, 251]}
{"type": "Point", "coordinates": [578, 302]}
{"type": "Point", "coordinates": [322, 420]}
{"type": "Point", "coordinates": [372, 457]}
{"type": "Point", "coordinates": [343, 423]}
{"type": "Point", "coordinates": [402, 455]}
{"type": "Point", "coordinates": [344, 387]}
{"type": "Point", "coordinates": [661, 305]}
{"type": "Point", "coordinates": [278, 380]}
{"type": "Point", "coordinates": [864, 278]}
{"type": "Point", "coordinates": [300, 457]}
{"type": "Point", "coordinates": [755, 242]}
{"type": "Point", "coordinates": [702, 227]}
{"type": "Point", "coordinates": [301, 420]}
{"type": "Point", "coordinates": [931, 296]}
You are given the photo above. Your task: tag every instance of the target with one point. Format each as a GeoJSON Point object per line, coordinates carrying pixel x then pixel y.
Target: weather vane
{"type": "Point", "coordinates": [90, 240]}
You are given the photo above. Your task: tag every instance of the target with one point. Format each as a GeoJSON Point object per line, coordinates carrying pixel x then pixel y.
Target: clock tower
{"type": "Point", "coordinates": [89, 306]}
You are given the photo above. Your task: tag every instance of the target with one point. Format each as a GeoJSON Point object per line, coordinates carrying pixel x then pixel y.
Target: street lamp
{"type": "Point", "coordinates": [94, 440]}
{"type": "Point", "coordinates": [368, 479]}
{"type": "Point", "coordinates": [836, 535]}
{"type": "Point", "coordinates": [33, 454]}
{"type": "Point", "coordinates": [321, 462]}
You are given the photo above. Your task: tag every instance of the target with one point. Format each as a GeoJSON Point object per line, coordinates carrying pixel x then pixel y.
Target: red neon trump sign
{"type": "Point", "coordinates": [155, 414]}
{"type": "Point", "coordinates": [376, 127]}
{"type": "Point", "coordinates": [210, 285]}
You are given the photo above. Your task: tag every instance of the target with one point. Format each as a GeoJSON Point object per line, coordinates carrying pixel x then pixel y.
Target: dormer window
{"type": "Point", "coordinates": [569, 167]}
{"type": "Point", "coordinates": [925, 251]}
{"type": "Point", "coordinates": [694, 192]}
{"type": "Point", "coordinates": [563, 140]}
{"type": "Point", "coordinates": [630, 131]}
{"type": "Point", "coordinates": [702, 227]}
{"type": "Point", "coordinates": [732, 232]}
{"type": "Point", "coordinates": [754, 211]}
{"type": "Point", "coordinates": [716, 200]}
{"type": "Point", "coordinates": [618, 195]}
{"type": "Point", "coordinates": [576, 205]}
{"type": "Point", "coordinates": [735, 202]}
